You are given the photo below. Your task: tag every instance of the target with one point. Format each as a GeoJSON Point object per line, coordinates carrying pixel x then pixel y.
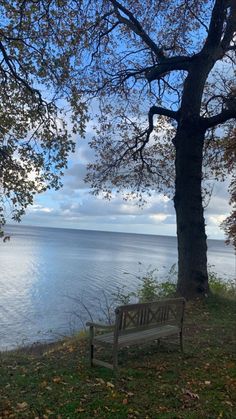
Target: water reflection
{"type": "Point", "coordinates": [41, 268]}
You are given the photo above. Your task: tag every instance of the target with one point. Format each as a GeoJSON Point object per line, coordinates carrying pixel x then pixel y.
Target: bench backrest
{"type": "Point", "coordinates": [147, 315]}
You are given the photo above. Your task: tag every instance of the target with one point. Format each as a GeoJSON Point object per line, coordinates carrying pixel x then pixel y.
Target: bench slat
{"type": "Point", "coordinates": [102, 363]}
{"type": "Point", "coordinates": [138, 336]}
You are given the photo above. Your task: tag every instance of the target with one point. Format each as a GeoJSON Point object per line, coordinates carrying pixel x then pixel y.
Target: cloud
{"type": "Point", "coordinates": [218, 208]}
{"type": "Point", "coordinates": [40, 209]}
{"type": "Point", "coordinates": [157, 218]}
{"type": "Point", "coordinates": [74, 179]}
{"type": "Point", "coordinates": [215, 220]}
{"type": "Point", "coordinates": [73, 206]}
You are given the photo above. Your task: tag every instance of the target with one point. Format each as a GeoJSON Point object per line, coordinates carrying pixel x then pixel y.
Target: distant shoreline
{"type": "Point", "coordinates": [21, 226]}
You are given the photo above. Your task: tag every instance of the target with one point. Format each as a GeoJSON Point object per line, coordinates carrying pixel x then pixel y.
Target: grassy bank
{"type": "Point", "coordinates": [55, 381]}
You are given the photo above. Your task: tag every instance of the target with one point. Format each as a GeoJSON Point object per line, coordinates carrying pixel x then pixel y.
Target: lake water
{"type": "Point", "coordinates": [43, 271]}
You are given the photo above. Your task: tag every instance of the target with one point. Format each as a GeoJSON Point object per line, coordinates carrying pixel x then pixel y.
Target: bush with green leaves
{"type": "Point", "coordinates": [221, 286]}
{"type": "Point", "coordinates": [153, 287]}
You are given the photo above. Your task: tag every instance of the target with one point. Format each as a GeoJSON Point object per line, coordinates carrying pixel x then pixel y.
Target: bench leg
{"type": "Point", "coordinates": [91, 355]}
{"type": "Point", "coordinates": [181, 341]}
{"type": "Point", "coordinates": [91, 346]}
{"type": "Point", "coordinates": [115, 357]}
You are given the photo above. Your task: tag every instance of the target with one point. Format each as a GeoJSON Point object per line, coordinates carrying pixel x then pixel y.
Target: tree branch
{"type": "Point", "coordinates": [17, 76]}
{"type": "Point", "coordinates": [230, 27]}
{"type": "Point", "coordinates": [134, 24]}
{"type": "Point", "coordinates": [216, 25]}
{"type": "Point", "coordinates": [166, 65]}
{"type": "Point", "coordinates": [158, 110]}
{"type": "Point", "coordinates": [231, 48]}
{"type": "Point", "coordinates": [222, 117]}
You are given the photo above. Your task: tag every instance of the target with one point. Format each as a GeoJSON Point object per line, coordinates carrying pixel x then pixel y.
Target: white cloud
{"type": "Point", "coordinates": [216, 220]}
{"type": "Point", "coordinates": [40, 209]}
{"type": "Point", "coordinates": [158, 217]}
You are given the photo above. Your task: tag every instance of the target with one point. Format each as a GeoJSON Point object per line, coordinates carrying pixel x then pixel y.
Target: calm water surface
{"type": "Point", "coordinates": [43, 269]}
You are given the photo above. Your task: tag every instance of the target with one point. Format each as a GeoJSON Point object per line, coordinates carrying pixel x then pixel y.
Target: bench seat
{"type": "Point", "coordinates": [133, 338]}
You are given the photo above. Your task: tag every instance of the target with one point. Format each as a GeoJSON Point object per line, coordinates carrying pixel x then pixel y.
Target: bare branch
{"type": "Point", "coordinates": [231, 48]}
{"type": "Point", "coordinates": [158, 110]}
{"type": "Point", "coordinates": [166, 65]}
{"type": "Point", "coordinates": [134, 24]}
{"type": "Point", "coordinates": [222, 117]}
{"type": "Point", "coordinates": [216, 25]}
{"type": "Point", "coordinates": [230, 27]}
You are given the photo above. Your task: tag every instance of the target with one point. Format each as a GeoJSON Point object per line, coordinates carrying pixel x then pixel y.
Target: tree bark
{"type": "Point", "coordinates": [192, 246]}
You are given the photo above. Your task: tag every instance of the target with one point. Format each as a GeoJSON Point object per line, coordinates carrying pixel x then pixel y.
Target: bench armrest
{"type": "Point", "coordinates": [100, 325]}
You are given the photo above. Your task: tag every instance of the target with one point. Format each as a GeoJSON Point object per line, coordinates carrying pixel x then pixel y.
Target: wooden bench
{"type": "Point", "coordinates": [138, 323]}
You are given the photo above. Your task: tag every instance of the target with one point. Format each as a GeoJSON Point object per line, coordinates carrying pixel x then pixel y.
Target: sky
{"type": "Point", "coordinates": [75, 207]}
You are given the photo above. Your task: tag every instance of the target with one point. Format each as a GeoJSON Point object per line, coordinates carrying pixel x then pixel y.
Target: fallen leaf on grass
{"type": "Point", "coordinates": [100, 380]}
{"type": "Point", "coordinates": [57, 379]}
{"type": "Point", "coordinates": [190, 394]}
{"type": "Point", "coordinates": [107, 409]}
{"type": "Point", "coordinates": [110, 385]}
{"type": "Point", "coordinates": [228, 403]}
{"type": "Point", "coordinates": [133, 411]}
{"type": "Point", "coordinates": [80, 410]}
{"type": "Point", "coordinates": [22, 406]}
{"type": "Point", "coordinates": [162, 408]}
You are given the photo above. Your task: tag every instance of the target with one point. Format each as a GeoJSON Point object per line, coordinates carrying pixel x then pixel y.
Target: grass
{"type": "Point", "coordinates": [54, 381]}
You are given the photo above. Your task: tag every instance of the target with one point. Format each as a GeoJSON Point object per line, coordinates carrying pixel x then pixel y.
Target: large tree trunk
{"type": "Point", "coordinates": [192, 247]}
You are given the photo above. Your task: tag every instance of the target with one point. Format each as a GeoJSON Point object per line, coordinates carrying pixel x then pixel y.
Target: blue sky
{"type": "Point", "coordinates": [74, 206]}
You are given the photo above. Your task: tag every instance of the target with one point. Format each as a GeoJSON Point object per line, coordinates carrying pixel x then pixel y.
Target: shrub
{"type": "Point", "coordinates": [221, 286]}
{"type": "Point", "coordinates": [151, 288]}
